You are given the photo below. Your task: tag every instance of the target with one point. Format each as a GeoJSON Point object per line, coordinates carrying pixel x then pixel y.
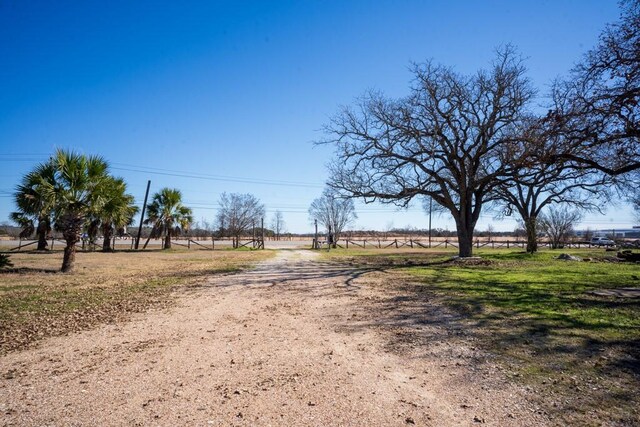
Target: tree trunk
{"type": "Point", "coordinates": [530, 226]}
{"type": "Point", "coordinates": [106, 242]}
{"type": "Point", "coordinates": [167, 241]}
{"type": "Point", "coordinates": [69, 258]}
{"type": "Point", "coordinates": [465, 241]}
{"type": "Point", "coordinates": [464, 229]}
{"type": "Point", "coordinates": [42, 230]}
{"type": "Point", "coordinates": [71, 224]}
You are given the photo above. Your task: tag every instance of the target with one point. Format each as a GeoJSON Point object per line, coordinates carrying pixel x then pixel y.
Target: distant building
{"type": "Point", "coordinates": [618, 233]}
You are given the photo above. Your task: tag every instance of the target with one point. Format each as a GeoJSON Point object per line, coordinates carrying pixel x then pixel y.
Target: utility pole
{"type": "Point", "coordinates": [430, 206]}
{"type": "Point", "coordinates": [262, 231]}
{"type": "Point", "coordinates": [144, 207]}
{"type": "Point", "coordinates": [315, 240]}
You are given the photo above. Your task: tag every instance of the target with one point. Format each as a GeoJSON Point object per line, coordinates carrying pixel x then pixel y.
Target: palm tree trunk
{"type": "Point", "coordinates": [42, 229]}
{"type": "Point", "coordinates": [106, 242]}
{"type": "Point", "coordinates": [167, 241]}
{"type": "Point", "coordinates": [71, 224]}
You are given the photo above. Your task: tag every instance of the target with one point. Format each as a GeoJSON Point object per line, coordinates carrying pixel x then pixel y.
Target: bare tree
{"type": "Point", "coordinates": [636, 206]}
{"type": "Point", "coordinates": [588, 234]}
{"type": "Point", "coordinates": [558, 224]}
{"type": "Point", "coordinates": [238, 214]}
{"type": "Point", "coordinates": [535, 186]}
{"type": "Point", "coordinates": [596, 113]}
{"type": "Point", "coordinates": [388, 228]}
{"type": "Point", "coordinates": [333, 212]}
{"type": "Point", "coordinates": [490, 231]}
{"type": "Point", "coordinates": [446, 140]}
{"type": "Point", "coordinates": [207, 227]}
{"type": "Point", "coordinates": [278, 224]}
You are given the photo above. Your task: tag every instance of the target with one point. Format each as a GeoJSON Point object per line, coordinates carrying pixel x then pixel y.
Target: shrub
{"type": "Point", "coordinates": [5, 261]}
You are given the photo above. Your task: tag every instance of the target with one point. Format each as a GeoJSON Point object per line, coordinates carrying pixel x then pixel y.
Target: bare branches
{"type": "Point", "coordinates": [333, 212]}
{"type": "Point", "coordinates": [596, 112]}
{"type": "Point", "coordinates": [239, 213]}
{"type": "Point", "coordinates": [278, 224]}
{"type": "Point", "coordinates": [558, 224]}
{"type": "Point", "coordinates": [445, 140]}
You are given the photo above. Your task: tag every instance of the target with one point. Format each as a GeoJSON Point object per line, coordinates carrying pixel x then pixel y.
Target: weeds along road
{"type": "Point", "coordinates": [295, 341]}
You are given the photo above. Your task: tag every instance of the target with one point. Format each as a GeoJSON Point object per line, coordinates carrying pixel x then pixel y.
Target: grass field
{"type": "Point", "coordinates": [579, 351]}
{"type": "Point", "coordinates": [37, 301]}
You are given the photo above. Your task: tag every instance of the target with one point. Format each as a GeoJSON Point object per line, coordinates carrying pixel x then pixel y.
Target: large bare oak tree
{"type": "Point", "coordinates": [447, 140]}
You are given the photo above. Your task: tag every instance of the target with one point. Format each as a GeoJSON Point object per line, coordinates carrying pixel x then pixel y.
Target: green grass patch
{"type": "Point", "coordinates": [578, 350]}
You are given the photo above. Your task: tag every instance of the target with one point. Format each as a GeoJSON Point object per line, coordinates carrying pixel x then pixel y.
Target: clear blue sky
{"type": "Point", "coordinates": [217, 96]}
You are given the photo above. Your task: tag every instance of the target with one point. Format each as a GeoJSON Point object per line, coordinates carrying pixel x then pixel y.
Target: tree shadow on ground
{"type": "Point", "coordinates": [308, 274]}
{"type": "Point", "coordinates": [562, 342]}
{"type": "Point", "coordinates": [28, 270]}
{"type": "Point", "coordinates": [538, 332]}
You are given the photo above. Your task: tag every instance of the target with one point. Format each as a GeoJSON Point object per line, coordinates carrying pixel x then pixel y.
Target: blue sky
{"type": "Point", "coordinates": [217, 96]}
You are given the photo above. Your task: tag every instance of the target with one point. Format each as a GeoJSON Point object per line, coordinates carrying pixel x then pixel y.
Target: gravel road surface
{"type": "Point", "coordinates": [295, 341]}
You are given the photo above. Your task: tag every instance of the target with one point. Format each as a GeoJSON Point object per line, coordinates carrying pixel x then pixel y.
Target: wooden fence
{"type": "Point", "coordinates": [424, 243]}
{"type": "Point", "coordinates": [227, 242]}
{"type": "Point", "coordinates": [85, 245]}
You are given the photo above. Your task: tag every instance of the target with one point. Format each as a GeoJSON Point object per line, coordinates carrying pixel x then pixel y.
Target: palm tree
{"type": "Point", "coordinates": [32, 204]}
{"type": "Point", "coordinates": [79, 189]}
{"type": "Point", "coordinates": [168, 215]}
{"type": "Point", "coordinates": [117, 211]}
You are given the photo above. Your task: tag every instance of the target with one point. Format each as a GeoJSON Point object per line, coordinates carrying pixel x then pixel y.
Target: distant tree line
{"type": "Point", "coordinates": [75, 197]}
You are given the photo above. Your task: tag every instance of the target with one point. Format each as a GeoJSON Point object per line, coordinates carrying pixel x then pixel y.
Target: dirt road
{"type": "Point", "coordinates": [294, 342]}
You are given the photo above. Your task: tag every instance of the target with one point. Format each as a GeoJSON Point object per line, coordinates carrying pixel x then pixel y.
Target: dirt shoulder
{"type": "Point", "coordinates": [294, 342]}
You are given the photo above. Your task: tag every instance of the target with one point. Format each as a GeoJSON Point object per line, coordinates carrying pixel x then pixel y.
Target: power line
{"type": "Point", "coordinates": [184, 174]}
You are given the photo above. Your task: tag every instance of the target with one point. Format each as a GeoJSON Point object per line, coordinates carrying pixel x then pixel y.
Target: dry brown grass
{"type": "Point", "coordinates": [37, 301]}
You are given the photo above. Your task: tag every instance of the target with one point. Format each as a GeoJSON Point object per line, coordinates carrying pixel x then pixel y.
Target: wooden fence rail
{"type": "Point", "coordinates": [186, 243]}
{"type": "Point", "coordinates": [257, 243]}
{"type": "Point", "coordinates": [423, 243]}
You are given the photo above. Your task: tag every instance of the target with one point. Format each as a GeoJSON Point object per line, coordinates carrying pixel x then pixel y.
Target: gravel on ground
{"type": "Point", "coordinates": [295, 341]}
